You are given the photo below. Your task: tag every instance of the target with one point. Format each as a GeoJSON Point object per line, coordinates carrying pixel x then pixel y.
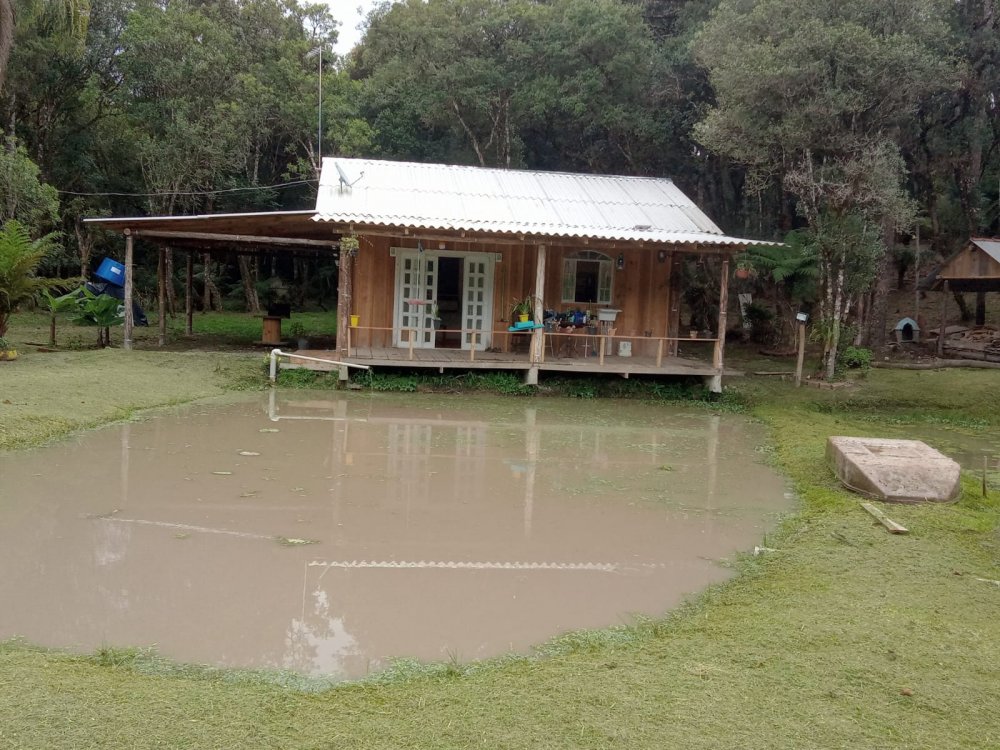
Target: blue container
{"type": "Point", "coordinates": [111, 271]}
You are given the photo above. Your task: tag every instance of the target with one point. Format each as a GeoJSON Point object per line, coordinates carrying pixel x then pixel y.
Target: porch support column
{"type": "Point", "coordinates": [129, 318]}
{"type": "Point", "coordinates": [718, 359]}
{"type": "Point", "coordinates": [344, 288]}
{"type": "Point", "coordinates": [538, 305]}
{"type": "Point", "coordinates": [161, 285]}
{"type": "Point", "coordinates": [188, 296]}
{"type": "Point", "coordinates": [944, 318]}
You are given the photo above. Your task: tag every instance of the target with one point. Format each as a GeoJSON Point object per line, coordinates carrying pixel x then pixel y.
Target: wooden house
{"type": "Point", "coordinates": [439, 254]}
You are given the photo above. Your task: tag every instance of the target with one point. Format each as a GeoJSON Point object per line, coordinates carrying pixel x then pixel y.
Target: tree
{"type": "Point", "coordinates": [20, 257]}
{"type": "Point", "coordinates": [814, 94]}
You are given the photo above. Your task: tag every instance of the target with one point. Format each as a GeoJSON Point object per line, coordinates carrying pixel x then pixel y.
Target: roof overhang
{"type": "Point", "coordinates": [286, 229]}
{"type": "Point", "coordinates": [307, 230]}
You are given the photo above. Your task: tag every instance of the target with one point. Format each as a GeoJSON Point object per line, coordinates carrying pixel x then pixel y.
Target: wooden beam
{"type": "Point", "coordinates": [343, 301]}
{"type": "Point", "coordinates": [720, 344]}
{"type": "Point", "coordinates": [882, 518]}
{"type": "Point", "coordinates": [538, 305]}
{"type": "Point", "coordinates": [944, 321]}
{"type": "Point", "coordinates": [238, 238]}
{"type": "Point", "coordinates": [189, 296]}
{"type": "Point", "coordinates": [161, 288]}
{"type": "Point", "coordinates": [129, 318]}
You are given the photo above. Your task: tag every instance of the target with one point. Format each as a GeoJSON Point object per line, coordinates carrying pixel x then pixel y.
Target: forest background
{"type": "Point", "coordinates": [847, 128]}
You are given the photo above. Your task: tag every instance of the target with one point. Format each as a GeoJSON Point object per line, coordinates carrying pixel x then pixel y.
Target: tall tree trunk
{"type": "Point", "coordinates": [6, 36]}
{"type": "Point", "coordinates": [878, 310]}
{"type": "Point", "coordinates": [171, 292]}
{"type": "Point", "coordinates": [249, 290]}
{"type": "Point", "coordinates": [965, 314]}
{"type": "Point", "coordinates": [211, 299]}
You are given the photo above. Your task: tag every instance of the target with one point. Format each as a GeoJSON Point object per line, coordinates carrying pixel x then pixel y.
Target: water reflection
{"type": "Point", "coordinates": [327, 535]}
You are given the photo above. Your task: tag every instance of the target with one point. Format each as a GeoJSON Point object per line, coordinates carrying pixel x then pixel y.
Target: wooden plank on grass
{"type": "Point", "coordinates": [883, 519]}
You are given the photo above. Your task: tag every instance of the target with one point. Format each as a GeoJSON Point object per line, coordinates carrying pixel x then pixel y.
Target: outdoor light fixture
{"type": "Point", "coordinates": [802, 317]}
{"type": "Point", "coordinates": [621, 261]}
{"type": "Point", "coordinates": [662, 256]}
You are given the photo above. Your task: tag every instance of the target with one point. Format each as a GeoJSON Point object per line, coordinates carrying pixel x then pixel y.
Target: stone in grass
{"type": "Point", "coordinates": [896, 471]}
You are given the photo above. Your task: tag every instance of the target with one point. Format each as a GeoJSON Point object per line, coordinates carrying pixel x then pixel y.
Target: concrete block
{"type": "Point", "coordinates": [897, 471]}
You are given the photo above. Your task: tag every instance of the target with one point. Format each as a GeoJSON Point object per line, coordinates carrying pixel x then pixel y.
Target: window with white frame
{"type": "Point", "coordinates": [587, 278]}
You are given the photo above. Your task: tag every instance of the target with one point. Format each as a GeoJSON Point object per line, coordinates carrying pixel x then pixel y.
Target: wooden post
{"type": "Point", "coordinates": [344, 288]}
{"type": "Point", "coordinates": [472, 345]}
{"type": "Point", "coordinates": [674, 316]}
{"type": "Point", "coordinates": [348, 341]}
{"type": "Point", "coordinates": [409, 339]}
{"type": "Point", "coordinates": [129, 318]}
{"type": "Point", "coordinates": [538, 305]}
{"type": "Point", "coordinates": [720, 342]}
{"type": "Point", "coordinates": [659, 352]}
{"type": "Point", "coordinates": [161, 288]}
{"type": "Point", "coordinates": [944, 313]}
{"type": "Point", "coordinates": [189, 296]}
{"type": "Point", "coordinates": [600, 354]}
{"type": "Point", "coordinates": [802, 353]}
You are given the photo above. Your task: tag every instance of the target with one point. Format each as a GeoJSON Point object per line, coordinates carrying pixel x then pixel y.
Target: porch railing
{"type": "Point", "coordinates": [557, 344]}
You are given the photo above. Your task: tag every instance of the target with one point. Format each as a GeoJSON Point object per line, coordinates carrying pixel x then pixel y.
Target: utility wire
{"type": "Point", "coordinates": [194, 192]}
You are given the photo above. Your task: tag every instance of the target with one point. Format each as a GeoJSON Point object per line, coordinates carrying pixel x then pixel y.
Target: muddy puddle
{"type": "Point", "coordinates": [327, 535]}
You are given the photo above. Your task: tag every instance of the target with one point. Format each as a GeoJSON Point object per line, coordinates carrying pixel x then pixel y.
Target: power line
{"type": "Point", "coordinates": [193, 192]}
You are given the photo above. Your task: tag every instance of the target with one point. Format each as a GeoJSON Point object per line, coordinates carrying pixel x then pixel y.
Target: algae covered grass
{"type": "Point", "coordinates": [840, 635]}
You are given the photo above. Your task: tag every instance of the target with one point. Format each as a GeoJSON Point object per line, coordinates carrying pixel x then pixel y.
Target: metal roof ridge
{"type": "Point", "coordinates": [502, 170]}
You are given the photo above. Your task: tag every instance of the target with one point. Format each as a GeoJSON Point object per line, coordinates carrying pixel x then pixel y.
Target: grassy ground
{"type": "Point", "coordinates": [845, 637]}
{"type": "Point", "coordinates": [212, 331]}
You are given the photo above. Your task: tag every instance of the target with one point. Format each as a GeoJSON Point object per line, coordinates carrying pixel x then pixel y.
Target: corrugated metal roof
{"type": "Point", "coordinates": [990, 247]}
{"type": "Point", "coordinates": [553, 204]}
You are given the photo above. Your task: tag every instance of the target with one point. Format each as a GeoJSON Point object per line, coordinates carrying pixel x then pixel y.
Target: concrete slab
{"type": "Point", "coordinates": [897, 471]}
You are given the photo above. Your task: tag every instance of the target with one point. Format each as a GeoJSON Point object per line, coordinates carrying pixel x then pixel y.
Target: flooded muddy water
{"type": "Point", "coordinates": [328, 534]}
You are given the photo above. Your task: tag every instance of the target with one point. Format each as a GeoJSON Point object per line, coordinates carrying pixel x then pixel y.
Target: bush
{"type": "Point", "coordinates": [855, 358]}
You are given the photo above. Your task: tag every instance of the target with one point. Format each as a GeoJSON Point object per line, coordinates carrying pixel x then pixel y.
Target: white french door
{"type": "Point", "coordinates": [416, 297]}
{"type": "Point", "coordinates": [477, 301]}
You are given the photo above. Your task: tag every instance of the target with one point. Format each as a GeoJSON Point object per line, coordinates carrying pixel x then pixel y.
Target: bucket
{"type": "Point", "coordinates": [111, 271]}
{"type": "Point", "coordinates": [624, 348]}
{"type": "Point", "coordinates": [355, 320]}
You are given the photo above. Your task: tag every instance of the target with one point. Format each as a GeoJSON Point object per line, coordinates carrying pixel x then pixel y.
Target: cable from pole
{"type": "Point", "coordinates": [193, 192]}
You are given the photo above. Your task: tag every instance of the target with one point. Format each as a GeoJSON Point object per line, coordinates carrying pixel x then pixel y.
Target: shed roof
{"type": "Point", "coordinates": [974, 268]}
{"type": "Point", "coordinates": [990, 247]}
{"type": "Point", "coordinates": [517, 202]}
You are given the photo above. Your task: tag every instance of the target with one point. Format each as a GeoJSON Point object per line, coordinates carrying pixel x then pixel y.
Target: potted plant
{"type": "Point", "coordinates": [523, 309]}
{"type": "Point", "coordinates": [7, 351]}
{"type": "Point", "coordinates": [298, 332]}
{"type": "Point", "coordinates": [744, 267]}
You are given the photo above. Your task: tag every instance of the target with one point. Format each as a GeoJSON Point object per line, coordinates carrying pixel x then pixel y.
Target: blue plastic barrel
{"type": "Point", "coordinates": [111, 271]}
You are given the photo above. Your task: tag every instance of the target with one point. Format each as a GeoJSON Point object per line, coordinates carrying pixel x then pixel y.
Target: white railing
{"type": "Point", "coordinates": [275, 353]}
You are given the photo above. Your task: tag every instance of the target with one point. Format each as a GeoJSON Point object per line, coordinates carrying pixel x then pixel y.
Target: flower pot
{"type": "Point", "coordinates": [693, 334]}
{"type": "Point", "coordinates": [742, 273]}
{"type": "Point", "coordinates": [355, 320]}
{"type": "Point", "coordinates": [8, 355]}
{"type": "Point", "coordinates": [522, 318]}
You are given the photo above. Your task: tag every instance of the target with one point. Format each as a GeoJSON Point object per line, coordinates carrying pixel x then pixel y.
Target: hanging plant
{"type": "Point", "coordinates": [350, 245]}
{"type": "Point", "coordinates": [744, 267]}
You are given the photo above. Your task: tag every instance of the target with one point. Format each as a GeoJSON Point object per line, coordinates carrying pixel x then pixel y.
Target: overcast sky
{"type": "Point", "coordinates": [350, 13]}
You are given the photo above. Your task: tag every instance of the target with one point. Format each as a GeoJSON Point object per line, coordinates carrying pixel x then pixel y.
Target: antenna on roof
{"type": "Point", "coordinates": [345, 181]}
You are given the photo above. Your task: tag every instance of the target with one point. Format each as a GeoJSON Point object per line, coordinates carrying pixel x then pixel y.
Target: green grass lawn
{"type": "Point", "coordinates": [212, 331]}
{"type": "Point", "coordinates": [844, 637]}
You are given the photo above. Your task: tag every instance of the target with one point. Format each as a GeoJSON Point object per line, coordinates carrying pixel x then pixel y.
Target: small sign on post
{"type": "Point", "coordinates": [802, 319]}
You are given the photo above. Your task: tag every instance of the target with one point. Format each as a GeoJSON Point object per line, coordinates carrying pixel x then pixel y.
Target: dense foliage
{"type": "Point", "coordinates": [848, 121]}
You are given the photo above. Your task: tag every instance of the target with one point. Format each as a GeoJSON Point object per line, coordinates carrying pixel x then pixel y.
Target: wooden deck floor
{"type": "Point", "coordinates": [457, 359]}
